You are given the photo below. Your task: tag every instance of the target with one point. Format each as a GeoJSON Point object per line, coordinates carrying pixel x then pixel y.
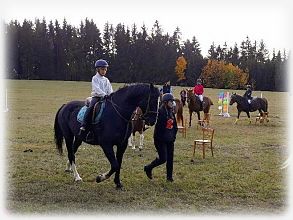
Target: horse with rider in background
{"type": "Point", "coordinates": [260, 104]}
{"type": "Point", "coordinates": [195, 105]}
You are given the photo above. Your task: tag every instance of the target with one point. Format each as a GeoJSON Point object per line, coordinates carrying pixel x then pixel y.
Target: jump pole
{"type": "Point", "coordinates": [6, 101]}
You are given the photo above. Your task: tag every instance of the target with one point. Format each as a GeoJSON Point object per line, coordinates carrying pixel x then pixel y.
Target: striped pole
{"type": "Point", "coordinates": [6, 101]}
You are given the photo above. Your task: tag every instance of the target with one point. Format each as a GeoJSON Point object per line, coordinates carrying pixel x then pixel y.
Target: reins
{"type": "Point", "coordinates": [117, 107]}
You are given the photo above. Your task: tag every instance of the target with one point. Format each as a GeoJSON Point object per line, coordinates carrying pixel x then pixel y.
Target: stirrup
{"type": "Point", "coordinates": [90, 137]}
{"type": "Point", "coordinates": [82, 131]}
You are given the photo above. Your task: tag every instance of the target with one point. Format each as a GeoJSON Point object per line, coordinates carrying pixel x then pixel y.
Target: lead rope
{"type": "Point", "coordinates": [157, 114]}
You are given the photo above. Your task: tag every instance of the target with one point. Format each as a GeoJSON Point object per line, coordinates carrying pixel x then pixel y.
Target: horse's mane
{"type": "Point", "coordinates": [237, 95]}
{"type": "Point", "coordinates": [131, 87]}
{"type": "Point", "coordinates": [191, 95]}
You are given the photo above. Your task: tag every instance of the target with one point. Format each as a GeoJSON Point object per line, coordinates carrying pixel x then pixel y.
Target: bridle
{"type": "Point", "coordinates": [143, 116]}
{"type": "Point", "coordinates": [147, 111]}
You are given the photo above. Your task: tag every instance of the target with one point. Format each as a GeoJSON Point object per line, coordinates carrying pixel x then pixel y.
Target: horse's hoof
{"type": "Point", "coordinates": [99, 179]}
{"type": "Point", "coordinates": [78, 180]}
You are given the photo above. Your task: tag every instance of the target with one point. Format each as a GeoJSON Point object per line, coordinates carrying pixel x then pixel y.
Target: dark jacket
{"type": "Point", "coordinates": [166, 126]}
{"type": "Point", "coordinates": [248, 93]}
{"type": "Point", "coordinates": [166, 89]}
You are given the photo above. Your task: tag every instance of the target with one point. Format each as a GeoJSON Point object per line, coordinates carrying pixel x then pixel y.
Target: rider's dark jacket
{"type": "Point", "coordinates": [248, 93]}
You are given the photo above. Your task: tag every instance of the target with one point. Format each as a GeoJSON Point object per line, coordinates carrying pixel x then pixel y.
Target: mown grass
{"type": "Point", "coordinates": [243, 177]}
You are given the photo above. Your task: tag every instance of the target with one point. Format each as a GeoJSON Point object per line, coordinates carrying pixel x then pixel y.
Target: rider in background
{"type": "Point", "coordinates": [166, 88]}
{"type": "Point", "coordinates": [198, 90]}
{"type": "Point", "coordinates": [101, 88]}
{"type": "Point", "coordinates": [164, 137]}
{"type": "Point", "coordinates": [183, 96]}
{"type": "Point", "coordinates": [248, 93]}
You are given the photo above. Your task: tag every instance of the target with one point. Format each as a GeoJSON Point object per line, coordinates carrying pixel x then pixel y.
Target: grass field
{"type": "Point", "coordinates": [243, 177]}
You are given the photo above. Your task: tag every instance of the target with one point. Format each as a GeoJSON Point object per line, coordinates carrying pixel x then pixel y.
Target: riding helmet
{"type": "Point", "coordinates": [199, 81]}
{"type": "Point", "coordinates": [101, 63]}
{"type": "Point", "coordinates": [167, 97]}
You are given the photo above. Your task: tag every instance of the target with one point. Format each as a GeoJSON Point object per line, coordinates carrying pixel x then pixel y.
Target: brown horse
{"type": "Point", "coordinates": [194, 105]}
{"type": "Point", "coordinates": [178, 111]}
{"type": "Point", "coordinates": [138, 125]}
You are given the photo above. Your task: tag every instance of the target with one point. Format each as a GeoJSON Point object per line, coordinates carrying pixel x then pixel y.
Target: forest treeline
{"type": "Point", "coordinates": [60, 51]}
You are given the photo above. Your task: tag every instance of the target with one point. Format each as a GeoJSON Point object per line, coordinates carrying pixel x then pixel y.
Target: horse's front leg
{"type": "Point", "coordinates": [119, 155]}
{"type": "Point", "coordinates": [141, 138]}
{"type": "Point", "coordinates": [109, 153]}
{"type": "Point", "coordinates": [190, 116]}
{"type": "Point", "coordinates": [130, 141]}
{"type": "Point", "coordinates": [237, 119]}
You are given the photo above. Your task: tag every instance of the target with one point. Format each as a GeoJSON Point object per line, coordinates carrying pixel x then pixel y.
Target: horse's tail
{"type": "Point", "coordinates": [58, 133]}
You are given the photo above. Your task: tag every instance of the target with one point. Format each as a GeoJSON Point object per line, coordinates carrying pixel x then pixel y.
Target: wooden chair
{"type": "Point", "coordinates": [206, 141]}
{"type": "Point", "coordinates": [182, 128]}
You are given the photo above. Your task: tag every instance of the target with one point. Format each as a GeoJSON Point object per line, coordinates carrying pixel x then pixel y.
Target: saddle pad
{"type": "Point", "coordinates": [80, 115]}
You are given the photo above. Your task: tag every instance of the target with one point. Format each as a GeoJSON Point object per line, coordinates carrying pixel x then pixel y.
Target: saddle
{"type": "Point", "coordinates": [95, 119]}
{"type": "Point", "coordinates": [97, 112]}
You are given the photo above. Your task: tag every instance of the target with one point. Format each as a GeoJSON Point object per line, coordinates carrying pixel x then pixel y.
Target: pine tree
{"type": "Point", "coordinates": [26, 57]}
{"type": "Point", "coordinates": [195, 62]}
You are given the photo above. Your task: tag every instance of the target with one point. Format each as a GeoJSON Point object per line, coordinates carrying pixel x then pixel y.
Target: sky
{"type": "Point", "coordinates": [209, 21]}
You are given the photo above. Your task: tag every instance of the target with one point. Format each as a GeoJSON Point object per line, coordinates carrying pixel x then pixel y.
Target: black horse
{"type": "Point", "coordinates": [260, 104]}
{"type": "Point", "coordinates": [115, 125]}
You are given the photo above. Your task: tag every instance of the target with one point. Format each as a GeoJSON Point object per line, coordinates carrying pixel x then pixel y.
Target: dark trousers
{"type": "Point", "coordinates": [166, 153]}
{"type": "Point", "coordinates": [89, 112]}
